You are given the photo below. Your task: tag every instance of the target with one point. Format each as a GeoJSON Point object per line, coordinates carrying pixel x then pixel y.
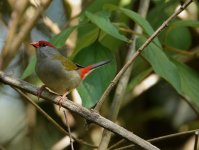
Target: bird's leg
{"type": "Point", "coordinates": [40, 90]}
{"type": "Point", "coordinates": [61, 99]}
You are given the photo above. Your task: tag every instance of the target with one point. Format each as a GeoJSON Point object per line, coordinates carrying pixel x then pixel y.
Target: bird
{"type": "Point", "coordinates": [57, 72]}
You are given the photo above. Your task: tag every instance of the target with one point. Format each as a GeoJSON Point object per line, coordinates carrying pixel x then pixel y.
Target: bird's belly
{"type": "Point", "coordinates": [56, 78]}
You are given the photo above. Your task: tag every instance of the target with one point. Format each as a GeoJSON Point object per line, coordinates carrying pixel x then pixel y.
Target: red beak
{"type": "Point", "coordinates": [35, 44]}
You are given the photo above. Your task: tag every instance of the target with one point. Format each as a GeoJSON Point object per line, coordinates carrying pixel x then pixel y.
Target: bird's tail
{"type": "Point", "coordinates": [88, 69]}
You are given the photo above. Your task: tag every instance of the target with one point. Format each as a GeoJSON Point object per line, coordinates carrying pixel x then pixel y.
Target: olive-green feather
{"type": "Point", "coordinates": [68, 64]}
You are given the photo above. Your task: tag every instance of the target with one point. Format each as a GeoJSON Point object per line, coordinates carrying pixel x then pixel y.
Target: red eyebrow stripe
{"type": "Point", "coordinates": [46, 43]}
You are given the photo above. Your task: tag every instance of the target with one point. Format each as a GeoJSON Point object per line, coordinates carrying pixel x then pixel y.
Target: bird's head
{"type": "Point", "coordinates": [40, 44]}
{"type": "Point", "coordinates": [44, 49]}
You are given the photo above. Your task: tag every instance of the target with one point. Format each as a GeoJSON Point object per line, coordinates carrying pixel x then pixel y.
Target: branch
{"type": "Point", "coordinates": [51, 120]}
{"type": "Point", "coordinates": [123, 82]}
{"type": "Point", "coordinates": [138, 52]}
{"type": "Point", "coordinates": [69, 132]}
{"type": "Point", "coordinates": [196, 141]}
{"type": "Point", "coordinates": [85, 113]}
{"type": "Point", "coordinates": [158, 139]}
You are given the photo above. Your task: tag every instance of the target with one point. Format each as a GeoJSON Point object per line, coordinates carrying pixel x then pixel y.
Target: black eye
{"type": "Point", "coordinates": [43, 45]}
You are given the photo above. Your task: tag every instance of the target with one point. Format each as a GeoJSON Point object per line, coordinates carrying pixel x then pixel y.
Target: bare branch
{"type": "Point", "coordinates": [91, 116]}
{"type": "Point", "coordinates": [123, 82]}
{"type": "Point", "coordinates": [161, 138]}
{"type": "Point", "coordinates": [196, 140]}
{"type": "Point", "coordinates": [51, 120]}
{"type": "Point", "coordinates": [70, 136]}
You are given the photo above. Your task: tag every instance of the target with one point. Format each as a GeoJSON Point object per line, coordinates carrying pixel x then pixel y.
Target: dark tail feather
{"type": "Point", "coordinates": [88, 69]}
{"type": "Point", "coordinates": [100, 64]}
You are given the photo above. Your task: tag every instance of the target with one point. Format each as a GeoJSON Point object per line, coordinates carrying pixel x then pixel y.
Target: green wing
{"type": "Point", "coordinates": [68, 64]}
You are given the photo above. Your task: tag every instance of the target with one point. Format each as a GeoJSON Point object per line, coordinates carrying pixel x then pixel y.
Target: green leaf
{"type": "Point", "coordinates": [86, 39]}
{"type": "Point", "coordinates": [184, 79]}
{"type": "Point", "coordinates": [184, 23]}
{"type": "Point", "coordinates": [161, 64]}
{"type": "Point", "coordinates": [30, 68]}
{"type": "Point", "coordinates": [161, 11]}
{"type": "Point", "coordinates": [95, 83]}
{"type": "Point", "coordinates": [178, 35]}
{"type": "Point", "coordinates": [60, 39]}
{"type": "Point", "coordinates": [179, 38]}
{"type": "Point", "coordinates": [110, 7]}
{"type": "Point", "coordinates": [139, 78]}
{"type": "Point", "coordinates": [105, 25]}
{"type": "Point", "coordinates": [96, 6]}
{"type": "Point", "coordinates": [142, 22]}
{"type": "Point", "coordinates": [189, 83]}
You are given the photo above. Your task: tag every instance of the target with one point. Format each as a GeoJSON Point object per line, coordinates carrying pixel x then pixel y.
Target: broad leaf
{"type": "Point", "coordinates": [95, 83]}
{"type": "Point", "coordinates": [181, 77]}
{"type": "Point", "coordinates": [161, 11]}
{"type": "Point", "coordinates": [97, 6]}
{"type": "Point", "coordinates": [140, 21]}
{"type": "Point", "coordinates": [86, 40]}
{"type": "Point", "coordinates": [105, 25]}
{"type": "Point", "coordinates": [177, 35]}
{"type": "Point", "coordinates": [179, 38]}
{"type": "Point", "coordinates": [184, 23]}
{"type": "Point", "coordinates": [30, 68]}
{"type": "Point", "coordinates": [161, 64]}
{"type": "Point", "coordinates": [189, 83]}
{"type": "Point", "coordinates": [60, 39]}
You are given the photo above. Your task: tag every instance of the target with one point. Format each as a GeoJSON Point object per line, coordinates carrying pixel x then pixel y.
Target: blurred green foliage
{"type": "Point", "coordinates": [103, 32]}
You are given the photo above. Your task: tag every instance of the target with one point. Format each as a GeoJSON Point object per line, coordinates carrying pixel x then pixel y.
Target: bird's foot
{"type": "Point", "coordinates": [62, 99]}
{"type": "Point", "coordinates": [40, 91]}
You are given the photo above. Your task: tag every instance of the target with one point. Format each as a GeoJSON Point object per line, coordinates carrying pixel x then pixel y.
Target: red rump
{"type": "Point", "coordinates": [84, 71]}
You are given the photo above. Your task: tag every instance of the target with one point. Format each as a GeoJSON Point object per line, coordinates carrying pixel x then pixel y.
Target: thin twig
{"type": "Point", "coordinates": [138, 52]}
{"type": "Point", "coordinates": [196, 140]}
{"type": "Point", "coordinates": [70, 136]}
{"type": "Point", "coordinates": [123, 82]}
{"type": "Point", "coordinates": [90, 115]}
{"type": "Point", "coordinates": [158, 139]}
{"type": "Point", "coordinates": [50, 119]}
{"type": "Point", "coordinates": [115, 144]}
